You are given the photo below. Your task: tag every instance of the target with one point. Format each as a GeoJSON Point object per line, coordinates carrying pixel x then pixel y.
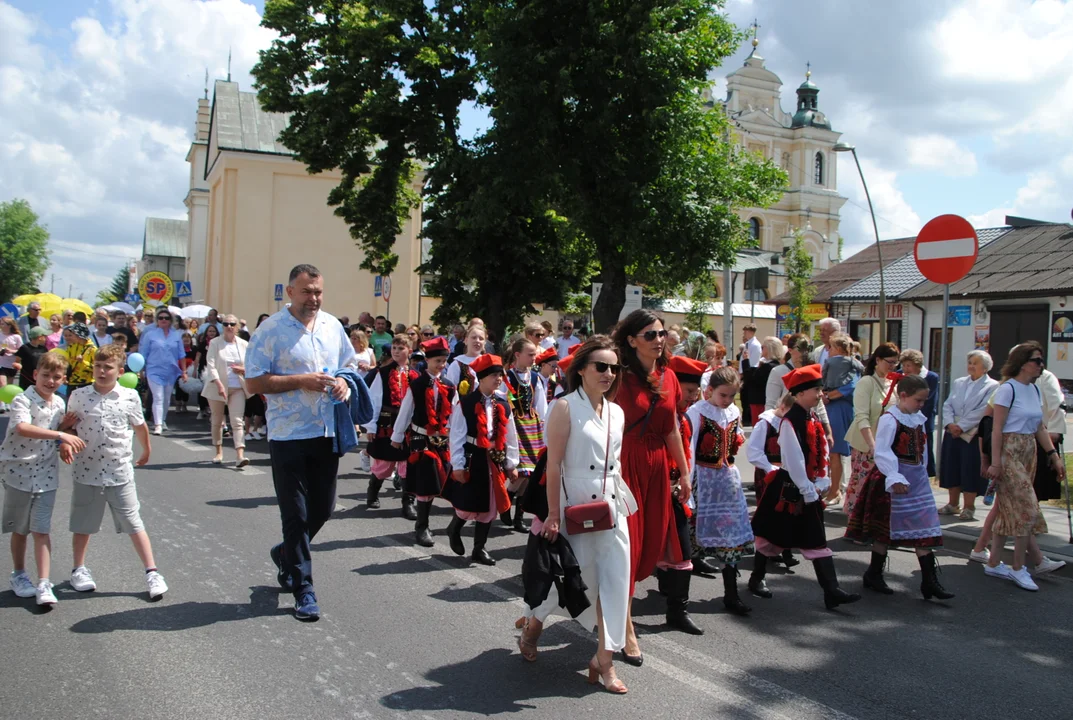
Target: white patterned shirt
{"type": "Point", "coordinates": [106, 422]}
{"type": "Point", "coordinates": [25, 463]}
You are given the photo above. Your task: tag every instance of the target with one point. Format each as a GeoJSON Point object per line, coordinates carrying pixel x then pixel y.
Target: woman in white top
{"type": "Point", "coordinates": [10, 342]}
{"type": "Point", "coordinates": [959, 471]}
{"type": "Point", "coordinates": [1018, 427]}
{"type": "Point", "coordinates": [584, 436]}
{"type": "Point", "coordinates": [225, 385]}
{"type": "Point", "coordinates": [797, 355]}
{"type": "Point", "coordinates": [475, 340]}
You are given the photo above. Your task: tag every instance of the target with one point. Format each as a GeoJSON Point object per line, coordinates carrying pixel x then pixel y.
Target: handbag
{"type": "Point", "coordinates": [591, 516]}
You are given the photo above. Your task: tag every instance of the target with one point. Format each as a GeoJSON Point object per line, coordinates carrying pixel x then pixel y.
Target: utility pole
{"type": "Point", "coordinates": [52, 285]}
{"type": "Point", "coordinates": [70, 289]}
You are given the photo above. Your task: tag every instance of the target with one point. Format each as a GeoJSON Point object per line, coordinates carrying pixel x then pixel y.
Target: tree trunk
{"type": "Point", "coordinates": [612, 296]}
{"type": "Point", "coordinates": [494, 316]}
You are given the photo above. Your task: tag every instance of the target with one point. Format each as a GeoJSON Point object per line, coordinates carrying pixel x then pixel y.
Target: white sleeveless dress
{"type": "Point", "coordinates": [604, 556]}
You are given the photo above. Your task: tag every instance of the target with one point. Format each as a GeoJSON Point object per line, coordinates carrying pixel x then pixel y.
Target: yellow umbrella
{"type": "Point", "coordinates": [24, 299]}
{"type": "Point", "coordinates": [47, 298]}
{"type": "Point", "coordinates": [76, 305]}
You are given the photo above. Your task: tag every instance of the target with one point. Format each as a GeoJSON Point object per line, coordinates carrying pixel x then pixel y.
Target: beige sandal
{"type": "Point", "coordinates": [527, 642]}
{"type": "Point", "coordinates": [949, 509]}
{"type": "Point", "coordinates": [967, 514]}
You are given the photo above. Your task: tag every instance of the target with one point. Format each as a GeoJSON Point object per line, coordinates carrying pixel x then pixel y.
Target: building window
{"type": "Point", "coordinates": [817, 172]}
{"type": "Point", "coordinates": [754, 229]}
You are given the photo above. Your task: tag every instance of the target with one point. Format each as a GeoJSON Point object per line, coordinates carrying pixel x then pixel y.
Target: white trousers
{"type": "Point", "coordinates": [161, 401]}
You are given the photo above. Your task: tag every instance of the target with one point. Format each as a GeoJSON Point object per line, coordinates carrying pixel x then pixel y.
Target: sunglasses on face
{"type": "Point", "coordinates": [1038, 361]}
{"type": "Point", "coordinates": [653, 334]}
{"type": "Point", "coordinates": [602, 367]}
{"type": "Point", "coordinates": [426, 335]}
{"type": "Point", "coordinates": [230, 324]}
{"type": "Point", "coordinates": [164, 317]}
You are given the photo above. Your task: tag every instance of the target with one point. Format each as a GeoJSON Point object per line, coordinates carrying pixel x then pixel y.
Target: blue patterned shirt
{"type": "Point", "coordinates": [283, 346]}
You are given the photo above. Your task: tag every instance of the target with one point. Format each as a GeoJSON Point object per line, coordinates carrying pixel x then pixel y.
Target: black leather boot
{"type": "Point", "coordinates": [408, 510]}
{"type": "Point", "coordinates": [757, 586]}
{"type": "Point", "coordinates": [873, 576]}
{"type": "Point", "coordinates": [480, 537]}
{"type": "Point", "coordinates": [788, 559]}
{"type": "Point", "coordinates": [372, 498]}
{"type": "Point", "coordinates": [731, 601]}
{"type": "Point", "coordinates": [833, 595]}
{"type": "Point", "coordinates": [454, 535]}
{"type": "Point", "coordinates": [704, 566]}
{"type": "Point", "coordinates": [662, 582]}
{"type": "Point", "coordinates": [519, 522]}
{"type": "Point", "coordinates": [929, 582]}
{"type": "Point", "coordinates": [678, 600]}
{"type": "Point", "coordinates": [421, 533]}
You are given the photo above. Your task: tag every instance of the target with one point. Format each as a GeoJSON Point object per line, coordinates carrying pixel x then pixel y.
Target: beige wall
{"type": "Point", "coordinates": [266, 215]}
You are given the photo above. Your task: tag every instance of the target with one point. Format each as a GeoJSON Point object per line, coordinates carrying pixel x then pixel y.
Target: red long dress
{"type": "Point", "coordinates": [646, 468]}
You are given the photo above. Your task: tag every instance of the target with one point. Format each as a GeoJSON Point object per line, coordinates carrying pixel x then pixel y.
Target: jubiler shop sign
{"type": "Point", "coordinates": [871, 312]}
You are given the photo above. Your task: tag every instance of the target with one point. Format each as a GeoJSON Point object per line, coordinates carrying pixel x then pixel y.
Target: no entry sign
{"type": "Point", "coordinates": [946, 249]}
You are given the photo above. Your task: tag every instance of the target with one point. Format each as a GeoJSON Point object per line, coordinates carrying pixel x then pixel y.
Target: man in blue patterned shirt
{"type": "Point", "coordinates": [291, 360]}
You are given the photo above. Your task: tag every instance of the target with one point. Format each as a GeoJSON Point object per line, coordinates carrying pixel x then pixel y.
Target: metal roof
{"type": "Point", "coordinates": [682, 305]}
{"type": "Point", "coordinates": [902, 275]}
{"type": "Point", "coordinates": [164, 237]}
{"type": "Point", "coordinates": [241, 124]}
{"type": "Point", "coordinates": [853, 269]}
{"type": "Point", "coordinates": [1035, 260]}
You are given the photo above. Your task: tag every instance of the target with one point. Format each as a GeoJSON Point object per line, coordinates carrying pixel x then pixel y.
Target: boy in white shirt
{"type": "Point", "coordinates": [30, 468]}
{"type": "Point", "coordinates": [108, 417]}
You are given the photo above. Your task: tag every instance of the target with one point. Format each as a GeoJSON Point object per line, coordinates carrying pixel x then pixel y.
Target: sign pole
{"type": "Point", "coordinates": [942, 373]}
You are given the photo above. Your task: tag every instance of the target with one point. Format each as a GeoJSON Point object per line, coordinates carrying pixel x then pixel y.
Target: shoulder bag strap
{"type": "Point", "coordinates": [607, 446]}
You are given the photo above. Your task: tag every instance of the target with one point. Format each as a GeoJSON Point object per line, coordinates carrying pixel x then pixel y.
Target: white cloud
{"type": "Point", "coordinates": [940, 153]}
{"type": "Point", "coordinates": [894, 215]}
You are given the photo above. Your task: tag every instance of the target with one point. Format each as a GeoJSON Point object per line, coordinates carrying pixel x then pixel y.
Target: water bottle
{"type": "Point", "coordinates": [329, 388]}
{"type": "Point", "coordinates": [989, 496]}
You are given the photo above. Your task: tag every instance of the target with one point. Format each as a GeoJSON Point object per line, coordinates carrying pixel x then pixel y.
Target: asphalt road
{"type": "Point", "coordinates": [423, 634]}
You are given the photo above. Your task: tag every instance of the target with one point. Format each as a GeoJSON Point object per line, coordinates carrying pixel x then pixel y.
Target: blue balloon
{"type": "Point", "coordinates": [62, 391]}
{"type": "Point", "coordinates": [136, 361]}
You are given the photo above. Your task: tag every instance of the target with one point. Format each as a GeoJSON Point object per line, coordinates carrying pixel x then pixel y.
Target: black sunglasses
{"type": "Point", "coordinates": [1038, 361]}
{"type": "Point", "coordinates": [230, 324]}
{"type": "Point", "coordinates": [653, 334]}
{"type": "Point", "coordinates": [602, 367]}
{"type": "Point", "coordinates": [427, 335]}
{"type": "Point", "coordinates": [163, 317]}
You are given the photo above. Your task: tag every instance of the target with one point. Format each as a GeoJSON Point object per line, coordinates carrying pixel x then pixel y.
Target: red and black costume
{"type": "Point", "coordinates": [389, 386]}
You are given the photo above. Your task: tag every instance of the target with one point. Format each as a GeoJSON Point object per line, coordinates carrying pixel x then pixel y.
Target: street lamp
{"type": "Point", "coordinates": [846, 147]}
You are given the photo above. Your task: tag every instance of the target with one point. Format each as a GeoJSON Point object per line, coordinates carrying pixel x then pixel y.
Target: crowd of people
{"type": "Point", "coordinates": [620, 448]}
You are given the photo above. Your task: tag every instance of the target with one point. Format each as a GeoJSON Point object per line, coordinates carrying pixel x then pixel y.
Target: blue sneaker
{"type": "Point", "coordinates": [276, 553]}
{"type": "Point", "coordinates": [306, 609]}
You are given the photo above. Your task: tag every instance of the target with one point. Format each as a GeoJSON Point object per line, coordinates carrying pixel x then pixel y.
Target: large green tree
{"type": "Point", "coordinates": [23, 249]}
{"type": "Point", "coordinates": [118, 289]}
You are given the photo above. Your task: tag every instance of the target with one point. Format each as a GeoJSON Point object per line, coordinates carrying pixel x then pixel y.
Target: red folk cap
{"type": "Point", "coordinates": [549, 355]}
{"type": "Point", "coordinates": [486, 365]}
{"type": "Point", "coordinates": [436, 347]}
{"type": "Point", "coordinates": [688, 370]}
{"type": "Point", "coordinates": [803, 378]}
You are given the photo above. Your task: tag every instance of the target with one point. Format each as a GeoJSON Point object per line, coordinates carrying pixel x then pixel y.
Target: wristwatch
{"type": "Point", "coordinates": [1052, 451]}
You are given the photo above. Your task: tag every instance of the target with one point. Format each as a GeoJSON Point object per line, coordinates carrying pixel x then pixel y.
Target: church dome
{"type": "Point", "coordinates": [808, 113]}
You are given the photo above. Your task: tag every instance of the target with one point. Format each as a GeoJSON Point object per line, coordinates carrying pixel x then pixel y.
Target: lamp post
{"type": "Point", "coordinates": [846, 147]}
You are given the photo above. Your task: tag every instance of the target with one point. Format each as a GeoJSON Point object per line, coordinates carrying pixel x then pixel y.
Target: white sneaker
{"type": "Point", "coordinates": [1048, 565]}
{"type": "Point", "coordinates": [1002, 570]}
{"type": "Point", "coordinates": [21, 585]}
{"type": "Point", "coordinates": [157, 430]}
{"type": "Point", "coordinates": [44, 593]}
{"type": "Point", "coordinates": [364, 461]}
{"type": "Point", "coordinates": [156, 584]}
{"type": "Point", "coordinates": [259, 434]}
{"type": "Point", "coordinates": [200, 415]}
{"type": "Point", "coordinates": [82, 580]}
{"type": "Point", "coordinates": [983, 556]}
{"type": "Point", "coordinates": [165, 427]}
{"type": "Point", "coordinates": [1023, 579]}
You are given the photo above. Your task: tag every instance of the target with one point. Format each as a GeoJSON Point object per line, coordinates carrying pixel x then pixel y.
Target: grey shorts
{"type": "Point", "coordinates": [87, 508]}
{"type": "Point", "coordinates": [26, 512]}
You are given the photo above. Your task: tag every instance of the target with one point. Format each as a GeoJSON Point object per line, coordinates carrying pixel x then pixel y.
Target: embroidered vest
{"type": "Point", "coordinates": [470, 405]}
{"type": "Point", "coordinates": [717, 446]}
{"type": "Point", "coordinates": [523, 393]}
{"type": "Point", "coordinates": [419, 387]}
{"type": "Point", "coordinates": [393, 383]}
{"type": "Point", "coordinates": [908, 445]}
{"type": "Point", "coordinates": [771, 445]}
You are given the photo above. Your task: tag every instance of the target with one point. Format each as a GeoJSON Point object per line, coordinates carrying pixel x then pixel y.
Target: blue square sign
{"type": "Point", "coordinates": [279, 292]}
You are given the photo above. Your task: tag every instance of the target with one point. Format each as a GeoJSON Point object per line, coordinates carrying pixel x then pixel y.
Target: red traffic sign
{"type": "Point", "coordinates": [946, 249]}
{"type": "Point", "coordinates": [386, 288]}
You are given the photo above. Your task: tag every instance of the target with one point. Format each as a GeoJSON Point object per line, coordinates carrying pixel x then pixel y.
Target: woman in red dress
{"type": "Point", "coordinates": [649, 396]}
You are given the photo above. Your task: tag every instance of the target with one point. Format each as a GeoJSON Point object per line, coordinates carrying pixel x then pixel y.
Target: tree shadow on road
{"type": "Point", "coordinates": [244, 503]}
{"type": "Point", "coordinates": [163, 617]}
{"type": "Point", "coordinates": [380, 541]}
{"type": "Point", "coordinates": [479, 593]}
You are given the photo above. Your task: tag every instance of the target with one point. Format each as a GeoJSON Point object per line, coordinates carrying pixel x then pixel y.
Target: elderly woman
{"type": "Point", "coordinates": [225, 386]}
{"type": "Point", "coordinates": [1018, 426]}
{"type": "Point", "coordinates": [162, 347]}
{"type": "Point", "coordinates": [870, 398]}
{"type": "Point", "coordinates": [771, 357]}
{"type": "Point", "coordinates": [797, 355]}
{"type": "Point", "coordinates": [913, 364]}
{"type": "Point", "coordinates": [963, 410]}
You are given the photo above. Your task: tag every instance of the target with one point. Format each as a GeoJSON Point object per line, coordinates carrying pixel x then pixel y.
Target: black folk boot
{"type": "Point", "coordinates": [372, 498]}
{"type": "Point", "coordinates": [833, 595]}
{"type": "Point", "coordinates": [703, 566]}
{"type": "Point", "coordinates": [454, 535]}
{"type": "Point", "coordinates": [480, 537]}
{"type": "Point", "coordinates": [504, 517]}
{"type": "Point", "coordinates": [757, 586]}
{"type": "Point", "coordinates": [731, 600]}
{"type": "Point", "coordinates": [929, 582]}
{"type": "Point", "coordinates": [873, 576]}
{"type": "Point", "coordinates": [408, 510]}
{"type": "Point", "coordinates": [519, 522]}
{"type": "Point", "coordinates": [677, 584]}
{"type": "Point", "coordinates": [421, 533]}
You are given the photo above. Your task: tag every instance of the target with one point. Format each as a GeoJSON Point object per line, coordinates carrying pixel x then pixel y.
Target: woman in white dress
{"type": "Point", "coordinates": [584, 436]}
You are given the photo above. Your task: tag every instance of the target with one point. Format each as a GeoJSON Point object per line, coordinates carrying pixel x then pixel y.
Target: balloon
{"type": "Point", "coordinates": [128, 380]}
{"type": "Point", "coordinates": [8, 393]}
{"type": "Point", "coordinates": [62, 391]}
{"type": "Point", "coordinates": [136, 361]}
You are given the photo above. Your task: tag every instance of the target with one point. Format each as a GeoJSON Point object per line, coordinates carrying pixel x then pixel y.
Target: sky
{"type": "Point", "coordinates": [955, 107]}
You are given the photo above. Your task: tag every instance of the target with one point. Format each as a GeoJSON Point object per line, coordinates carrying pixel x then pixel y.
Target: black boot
{"type": "Point", "coordinates": [757, 586]}
{"type": "Point", "coordinates": [873, 576]}
{"type": "Point", "coordinates": [480, 537]}
{"type": "Point", "coordinates": [788, 559]}
{"type": "Point", "coordinates": [731, 601]}
{"type": "Point", "coordinates": [929, 583]}
{"type": "Point", "coordinates": [703, 566]}
{"type": "Point", "coordinates": [662, 582]}
{"type": "Point", "coordinates": [408, 510]}
{"type": "Point", "coordinates": [421, 534]}
{"type": "Point", "coordinates": [833, 595]}
{"type": "Point", "coordinates": [677, 583]}
{"type": "Point", "coordinates": [454, 535]}
{"type": "Point", "coordinates": [519, 522]}
{"type": "Point", "coordinates": [372, 498]}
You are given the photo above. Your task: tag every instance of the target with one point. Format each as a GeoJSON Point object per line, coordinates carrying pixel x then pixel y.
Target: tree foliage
{"type": "Point", "coordinates": [24, 254]}
{"type": "Point", "coordinates": [118, 289]}
{"type": "Point", "coordinates": [799, 276]}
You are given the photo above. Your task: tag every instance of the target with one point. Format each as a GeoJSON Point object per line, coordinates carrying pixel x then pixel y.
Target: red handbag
{"type": "Point", "coordinates": [591, 516]}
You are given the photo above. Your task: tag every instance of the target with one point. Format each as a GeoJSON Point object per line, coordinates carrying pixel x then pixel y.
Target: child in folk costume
{"type": "Point", "coordinates": [762, 450]}
{"type": "Point", "coordinates": [389, 385]}
{"type": "Point", "coordinates": [722, 514]}
{"type": "Point", "coordinates": [789, 513]}
{"type": "Point", "coordinates": [689, 372]}
{"type": "Point", "coordinates": [529, 405]}
{"type": "Point", "coordinates": [547, 365]}
{"type": "Point", "coordinates": [459, 373]}
{"type": "Point", "coordinates": [896, 505]}
{"type": "Point", "coordinates": [484, 448]}
{"type": "Point", "coordinates": [423, 422]}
